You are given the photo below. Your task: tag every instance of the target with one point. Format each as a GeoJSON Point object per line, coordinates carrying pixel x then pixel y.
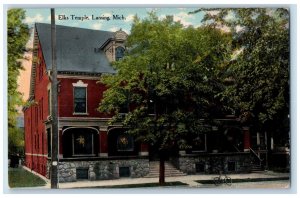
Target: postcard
{"type": "Point", "coordinates": [149, 97]}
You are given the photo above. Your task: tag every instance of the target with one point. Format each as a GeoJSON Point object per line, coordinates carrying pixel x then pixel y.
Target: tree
{"type": "Point", "coordinates": [259, 92]}
{"type": "Point", "coordinates": [168, 80]}
{"type": "Point", "coordinates": [17, 37]}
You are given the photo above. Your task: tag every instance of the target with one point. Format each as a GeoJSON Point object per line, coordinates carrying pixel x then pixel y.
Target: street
{"type": "Point", "coordinates": [280, 184]}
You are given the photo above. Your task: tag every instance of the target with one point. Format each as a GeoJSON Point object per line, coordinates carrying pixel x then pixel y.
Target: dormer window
{"type": "Point", "coordinates": [119, 53]}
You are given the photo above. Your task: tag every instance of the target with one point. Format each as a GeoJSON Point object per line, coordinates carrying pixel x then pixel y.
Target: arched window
{"type": "Point", "coordinates": [125, 143]}
{"type": "Point", "coordinates": [119, 53]}
{"type": "Point", "coordinates": [121, 144]}
{"type": "Point", "coordinates": [78, 142]}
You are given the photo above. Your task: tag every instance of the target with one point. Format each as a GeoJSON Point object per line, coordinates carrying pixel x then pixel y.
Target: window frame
{"type": "Point", "coordinates": [49, 100]}
{"type": "Point", "coordinates": [205, 145]}
{"type": "Point", "coordinates": [131, 142]}
{"type": "Point", "coordinates": [116, 50]}
{"type": "Point", "coordinates": [81, 155]}
{"type": "Point", "coordinates": [80, 84]}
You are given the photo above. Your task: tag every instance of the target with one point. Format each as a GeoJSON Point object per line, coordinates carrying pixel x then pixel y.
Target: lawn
{"type": "Point", "coordinates": [19, 177]}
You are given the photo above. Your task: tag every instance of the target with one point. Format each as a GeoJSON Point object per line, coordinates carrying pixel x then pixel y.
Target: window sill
{"type": "Point", "coordinates": [80, 113]}
{"type": "Point", "coordinates": [84, 155]}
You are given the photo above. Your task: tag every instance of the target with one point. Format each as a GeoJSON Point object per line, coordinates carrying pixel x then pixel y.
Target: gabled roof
{"type": "Point", "coordinates": [75, 48]}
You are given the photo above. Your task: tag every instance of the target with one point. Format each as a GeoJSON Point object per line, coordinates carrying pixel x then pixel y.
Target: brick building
{"type": "Point", "coordinates": [90, 148]}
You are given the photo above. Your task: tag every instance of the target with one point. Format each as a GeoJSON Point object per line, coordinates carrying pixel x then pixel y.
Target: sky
{"type": "Point", "coordinates": [102, 18]}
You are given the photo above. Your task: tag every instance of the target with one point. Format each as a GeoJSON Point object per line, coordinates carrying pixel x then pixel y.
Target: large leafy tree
{"type": "Point", "coordinates": [17, 37]}
{"type": "Point", "coordinates": [168, 80]}
{"type": "Point", "coordinates": [259, 72]}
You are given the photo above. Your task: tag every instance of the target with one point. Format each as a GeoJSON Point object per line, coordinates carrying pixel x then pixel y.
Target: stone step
{"type": "Point", "coordinates": [256, 168]}
{"type": "Point", "coordinates": [170, 170]}
{"type": "Point", "coordinates": [166, 172]}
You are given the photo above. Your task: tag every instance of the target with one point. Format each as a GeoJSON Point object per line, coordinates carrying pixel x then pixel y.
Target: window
{"type": "Point", "coordinates": [80, 142]}
{"type": "Point", "coordinates": [125, 143]}
{"type": "Point", "coordinates": [49, 141]}
{"type": "Point", "coordinates": [124, 171]}
{"type": "Point", "coordinates": [199, 143]}
{"type": "Point", "coordinates": [231, 166]}
{"type": "Point", "coordinates": [119, 53]}
{"type": "Point", "coordinates": [40, 70]}
{"type": "Point", "coordinates": [38, 141]}
{"type": "Point", "coordinates": [36, 115]}
{"type": "Point", "coordinates": [41, 108]}
{"type": "Point", "coordinates": [35, 144]}
{"type": "Point", "coordinates": [80, 100]}
{"type": "Point", "coordinates": [49, 102]}
{"type": "Point", "coordinates": [82, 173]}
{"type": "Point", "coordinates": [200, 168]}
{"type": "Point", "coordinates": [83, 143]}
{"type": "Point", "coordinates": [42, 142]}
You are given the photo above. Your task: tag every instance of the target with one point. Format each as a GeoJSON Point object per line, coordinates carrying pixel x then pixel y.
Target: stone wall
{"type": "Point", "coordinates": [100, 170]}
{"type": "Point", "coordinates": [48, 169]}
{"type": "Point", "coordinates": [211, 164]}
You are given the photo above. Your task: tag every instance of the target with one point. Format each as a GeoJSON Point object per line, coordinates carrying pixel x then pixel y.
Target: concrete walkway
{"type": "Point", "coordinates": [190, 180]}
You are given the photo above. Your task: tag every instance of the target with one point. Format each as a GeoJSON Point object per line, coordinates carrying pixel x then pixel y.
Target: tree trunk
{"type": "Point", "coordinates": [161, 170]}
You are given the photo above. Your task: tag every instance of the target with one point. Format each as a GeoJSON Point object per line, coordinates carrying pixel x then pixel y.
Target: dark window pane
{"type": "Point", "coordinates": [231, 166]}
{"type": "Point", "coordinates": [124, 172]}
{"type": "Point", "coordinates": [82, 173]}
{"type": "Point", "coordinates": [49, 141]}
{"type": "Point", "coordinates": [200, 168]}
{"type": "Point", "coordinates": [119, 53]}
{"type": "Point", "coordinates": [199, 143]}
{"type": "Point", "coordinates": [80, 99]}
{"type": "Point", "coordinates": [125, 143]}
{"type": "Point", "coordinates": [83, 143]}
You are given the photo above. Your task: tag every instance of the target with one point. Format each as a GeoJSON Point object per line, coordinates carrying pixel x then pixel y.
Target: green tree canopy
{"type": "Point", "coordinates": [17, 37]}
{"type": "Point", "coordinates": [168, 79]}
{"type": "Point", "coordinates": [259, 92]}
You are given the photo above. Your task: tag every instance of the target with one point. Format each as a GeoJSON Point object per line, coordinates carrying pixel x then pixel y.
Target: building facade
{"type": "Point", "coordinates": [90, 148]}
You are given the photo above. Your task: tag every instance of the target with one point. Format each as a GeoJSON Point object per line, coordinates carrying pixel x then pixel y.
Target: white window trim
{"type": "Point", "coordinates": [79, 83]}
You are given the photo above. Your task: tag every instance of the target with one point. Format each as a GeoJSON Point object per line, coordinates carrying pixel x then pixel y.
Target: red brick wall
{"type": "Point", "coordinates": [35, 133]}
{"type": "Point", "coordinates": [66, 98]}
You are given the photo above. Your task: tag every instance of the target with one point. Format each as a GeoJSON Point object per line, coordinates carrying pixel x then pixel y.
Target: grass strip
{"type": "Point", "coordinates": [143, 185]}
{"type": "Point", "coordinates": [19, 177]}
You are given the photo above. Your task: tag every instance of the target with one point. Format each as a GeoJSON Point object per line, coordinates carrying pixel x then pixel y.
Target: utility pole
{"type": "Point", "coordinates": [54, 137]}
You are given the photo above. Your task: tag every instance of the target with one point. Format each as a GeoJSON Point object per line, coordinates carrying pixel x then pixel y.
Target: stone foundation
{"type": "Point", "coordinates": [212, 163]}
{"type": "Point", "coordinates": [101, 170]}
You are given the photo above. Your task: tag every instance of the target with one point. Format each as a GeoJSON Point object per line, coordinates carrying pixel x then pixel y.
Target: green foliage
{"type": "Point", "coordinates": [174, 71]}
{"type": "Point", "coordinates": [259, 92]}
{"type": "Point", "coordinates": [17, 36]}
{"type": "Point", "coordinates": [16, 141]}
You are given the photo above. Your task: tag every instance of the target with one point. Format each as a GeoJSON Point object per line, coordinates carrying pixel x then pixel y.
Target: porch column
{"type": "Point", "coordinates": [103, 144]}
{"type": "Point", "coordinates": [60, 145]}
{"type": "Point", "coordinates": [246, 133]}
{"type": "Point", "coordinates": [258, 138]}
{"type": "Point", "coordinates": [144, 150]}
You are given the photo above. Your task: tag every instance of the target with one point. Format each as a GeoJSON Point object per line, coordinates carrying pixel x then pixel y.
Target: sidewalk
{"type": "Point", "coordinates": [190, 180]}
